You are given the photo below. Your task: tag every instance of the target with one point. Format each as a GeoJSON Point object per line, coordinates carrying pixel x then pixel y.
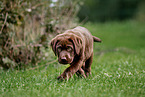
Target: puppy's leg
{"type": "Point", "coordinates": [74, 67]}
{"type": "Point", "coordinates": [81, 73]}
{"type": "Point", "coordinates": [88, 65]}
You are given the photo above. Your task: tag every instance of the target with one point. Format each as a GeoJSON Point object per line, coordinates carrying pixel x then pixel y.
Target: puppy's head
{"type": "Point", "coordinates": [66, 46]}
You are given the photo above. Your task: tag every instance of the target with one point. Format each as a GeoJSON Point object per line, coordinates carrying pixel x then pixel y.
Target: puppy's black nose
{"type": "Point", "coordinates": [64, 59]}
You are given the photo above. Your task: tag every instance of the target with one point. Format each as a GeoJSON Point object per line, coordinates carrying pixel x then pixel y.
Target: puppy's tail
{"type": "Point", "coordinates": [96, 39]}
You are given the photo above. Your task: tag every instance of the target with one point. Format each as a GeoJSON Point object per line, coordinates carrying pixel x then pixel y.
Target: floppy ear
{"type": "Point", "coordinates": [77, 42]}
{"type": "Point", "coordinates": [53, 44]}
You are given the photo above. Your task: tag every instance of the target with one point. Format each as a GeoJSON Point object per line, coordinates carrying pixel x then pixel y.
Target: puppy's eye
{"type": "Point", "coordinates": [59, 49]}
{"type": "Point", "coordinates": [69, 48]}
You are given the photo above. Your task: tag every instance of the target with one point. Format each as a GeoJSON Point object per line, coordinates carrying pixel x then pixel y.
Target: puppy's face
{"type": "Point", "coordinates": [65, 51]}
{"type": "Point", "coordinates": [65, 47]}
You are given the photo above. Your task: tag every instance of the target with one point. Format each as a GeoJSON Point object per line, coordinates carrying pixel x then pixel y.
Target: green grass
{"type": "Point", "coordinates": [118, 68]}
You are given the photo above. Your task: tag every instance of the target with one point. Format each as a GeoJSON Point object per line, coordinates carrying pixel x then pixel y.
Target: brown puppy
{"type": "Point", "coordinates": [75, 47]}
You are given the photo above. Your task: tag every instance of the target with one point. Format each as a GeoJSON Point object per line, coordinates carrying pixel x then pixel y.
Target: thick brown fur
{"type": "Point", "coordinates": [75, 47]}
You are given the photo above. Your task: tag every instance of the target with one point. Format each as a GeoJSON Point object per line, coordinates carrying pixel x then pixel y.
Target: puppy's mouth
{"type": "Point", "coordinates": [61, 61]}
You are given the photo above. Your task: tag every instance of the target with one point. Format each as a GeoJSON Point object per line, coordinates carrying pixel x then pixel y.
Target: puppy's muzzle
{"type": "Point", "coordinates": [64, 60]}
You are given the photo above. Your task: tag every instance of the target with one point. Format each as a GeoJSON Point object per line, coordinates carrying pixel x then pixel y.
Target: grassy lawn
{"type": "Point", "coordinates": [118, 68]}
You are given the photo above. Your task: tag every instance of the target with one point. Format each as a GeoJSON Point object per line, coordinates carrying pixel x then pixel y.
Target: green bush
{"type": "Point", "coordinates": [27, 27]}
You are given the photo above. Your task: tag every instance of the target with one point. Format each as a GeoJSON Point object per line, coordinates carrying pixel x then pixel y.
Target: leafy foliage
{"type": "Point", "coordinates": [27, 27]}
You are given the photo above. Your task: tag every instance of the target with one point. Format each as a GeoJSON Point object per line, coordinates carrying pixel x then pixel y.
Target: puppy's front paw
{"type": "Point", "coordinates": [61, 78]}
{"type": "Point", "coordinates": [64, 76]}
